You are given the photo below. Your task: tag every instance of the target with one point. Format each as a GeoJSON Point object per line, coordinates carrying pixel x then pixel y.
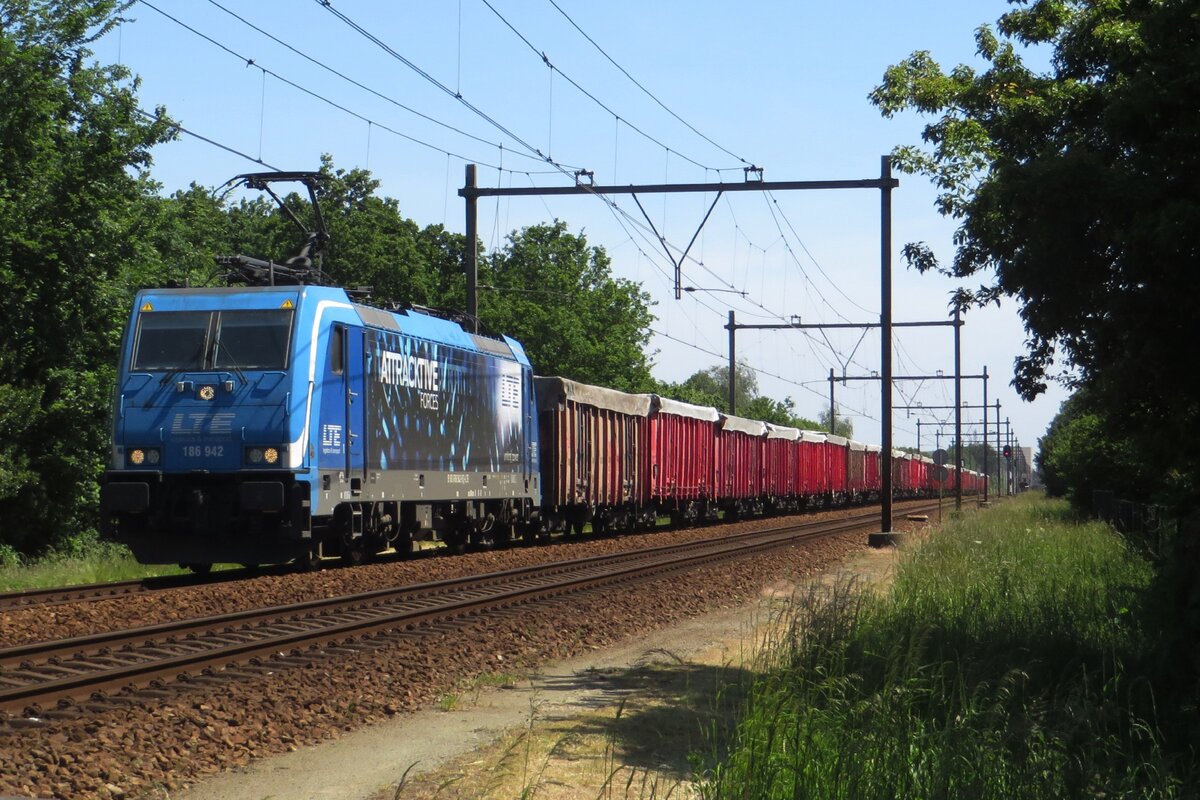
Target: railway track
{"type": "Point", "coordinates": [90, 592]}
{"type": "Point", "coordinates": [36, 677]}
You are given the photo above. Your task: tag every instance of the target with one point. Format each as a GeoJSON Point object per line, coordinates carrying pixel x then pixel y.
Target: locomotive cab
{"type": "Point", "coordinates": [203, 466]}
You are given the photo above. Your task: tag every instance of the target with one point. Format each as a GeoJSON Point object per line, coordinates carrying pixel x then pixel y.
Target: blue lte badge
{"type": "Point", "coordinates": [331, 439]}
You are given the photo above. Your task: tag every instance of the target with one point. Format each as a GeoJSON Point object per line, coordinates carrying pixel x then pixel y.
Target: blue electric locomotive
{"type": "Point", "coordinates": [259, 425]}
{"type": "Point", "coordinates": [265, 424]}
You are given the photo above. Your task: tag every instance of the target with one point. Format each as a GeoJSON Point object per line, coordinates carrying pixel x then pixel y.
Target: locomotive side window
{"type": "Point", "coordinates": [337, 351]}
{"type": "Point", "coordinates": [253, 339]}
{"type": "Point", "coordinates": [175, 340]}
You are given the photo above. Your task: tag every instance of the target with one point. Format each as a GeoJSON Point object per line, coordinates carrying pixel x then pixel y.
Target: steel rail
{"type": "Point", "coordinates": [91, 592]}
{"type": "Point", "coordinates": [213, 642]}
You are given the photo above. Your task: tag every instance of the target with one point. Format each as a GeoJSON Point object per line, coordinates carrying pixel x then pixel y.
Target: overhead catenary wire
{"type": "Point", "coordinates": [176, 126]}
{"type": "Point", "coordinates": [803, 385]}
{"type": "Point", "coordinates": [638, 84]}
{"type": "Point", "coordinates": [500, 169]}
{"type": "Point", "coordinates": [816, 263]}
{"type": "Point", "coordinates": [386, 48]}
{"type": "Point", "coordinates": [317, 96]}
{"type": "Point", "coordinates": [564, 169]}
{"type": "Point", "coordinates": [541, 54]}
{"type": "Point", "coordinates": [386, 98]}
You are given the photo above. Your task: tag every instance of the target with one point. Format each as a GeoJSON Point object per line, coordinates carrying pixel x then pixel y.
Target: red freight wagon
{"type": "Point", "coordinates": [815, 482]}
{"type": "Point", "coordinates": [676, 455]}
{"type": "Point", "coordinates": [589, 450]}
{"type": "Point", "coordinates": [782, 466]}
{"type": "Point", "coordinates": [739, 462]}
{"type": "Point", "coordinates": [924, 475]}
{"type": "Point", "coordinates": [872, 464]}
{"type": "Point", "coordinates": [900, 474]}
{"type": "Point", "coordinates": [836, 461]}
{"type": "Point", "coordinates": [912, 474]}
{"type": "Point", "coordinates": [856, 469]}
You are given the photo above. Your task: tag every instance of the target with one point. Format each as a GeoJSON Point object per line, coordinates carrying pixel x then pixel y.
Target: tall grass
{"type": "Point", "coordinates": [80, 560]}
{"type": "Point", "coordinates": [1000, 664]}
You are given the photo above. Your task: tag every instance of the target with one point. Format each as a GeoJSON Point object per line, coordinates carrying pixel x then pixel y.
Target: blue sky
{"type": "Point", "coordinates": [782, 85]}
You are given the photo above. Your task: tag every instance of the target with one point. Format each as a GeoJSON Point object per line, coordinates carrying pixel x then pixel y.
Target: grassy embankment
{"type": "Point", "coordinates": [88, 561]}
{"type": "Point", "coordinates": [1004, 662]}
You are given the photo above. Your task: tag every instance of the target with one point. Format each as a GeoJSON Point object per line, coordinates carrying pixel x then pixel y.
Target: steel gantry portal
{"type": "Point", "coordinates": [885, 183]}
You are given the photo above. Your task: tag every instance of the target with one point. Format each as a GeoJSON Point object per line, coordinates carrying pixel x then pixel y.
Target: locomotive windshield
{"type": "Point", "coordinates": [252, 339]}
{"type": "Point", "coordinates": [197, 340]}
{"type": "Point", "coordinates": [171, 340]}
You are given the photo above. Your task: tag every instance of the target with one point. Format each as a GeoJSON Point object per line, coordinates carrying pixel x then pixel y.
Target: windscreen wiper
{"type": "Point", "coordinates": [237, 370]}
{"type": "Point", "coordinates": [170, 376]}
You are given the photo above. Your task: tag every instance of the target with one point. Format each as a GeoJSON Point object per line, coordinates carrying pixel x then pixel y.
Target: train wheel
{"type": "Point", "coordinates": [311, 562]}
{"type": "Point", "coordinates": [355, 552]}
{"type": "Point", "coordinates": [456, 542]}
{"type": "Point", "coordinates": [404, 545]}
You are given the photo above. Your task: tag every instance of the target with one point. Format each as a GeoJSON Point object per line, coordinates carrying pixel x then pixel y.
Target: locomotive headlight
{"type": "Point", "coordinates": [139, 456]}
{"type": "Point", "coordinates": [264, 455]}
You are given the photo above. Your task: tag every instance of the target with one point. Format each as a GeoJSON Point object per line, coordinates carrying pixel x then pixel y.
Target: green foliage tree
{"type": "Point", "coordinates": [73, 201]}
{"type": "Point", "coordinates": [1083, 451]}
{"type": "Point", "coordinates": [1074, 188]}
{"type": "Point", "coordinates": [1075, 192]}
{"type": "Point", "coordinates": [373, 245]}
{"type": "Point", "coordinates": [714, 383]}
{"type": "Point", "coordinates": [842, 426]}
{"type": "Point", "coordinates": [551, 291]}
{"type": "Point", "coordinates": [710, 387]}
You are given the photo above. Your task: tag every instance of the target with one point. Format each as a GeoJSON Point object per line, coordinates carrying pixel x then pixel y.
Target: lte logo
{"type": "Point", "coordinates": [331, 438]}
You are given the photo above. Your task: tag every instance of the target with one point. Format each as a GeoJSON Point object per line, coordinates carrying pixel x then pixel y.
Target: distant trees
{"type": "Point", "coordinates": [842, 426]}
{"type": "Point", "coordinates": [1083, 451]}
{"type": "Point", "coordinates": [710, 387]}
{"type": "Point", "coordinates": [557, 295]}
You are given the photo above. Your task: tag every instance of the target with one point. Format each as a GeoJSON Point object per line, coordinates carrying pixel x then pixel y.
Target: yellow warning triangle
{"type": "Point", "coordinates": [288, 304]}
{"type": "Point", "coordinates": [147, 307]}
